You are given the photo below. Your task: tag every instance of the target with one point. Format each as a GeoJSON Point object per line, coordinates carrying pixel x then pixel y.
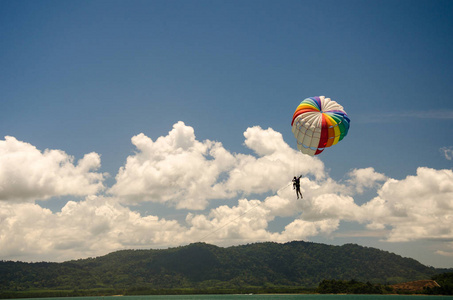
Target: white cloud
{"type": "Point", "coordinates": [249, 221]}
{"type": "Point", "coordinates": [300, 229]}
{"type": "Point", "coordinates": [227, 225]}
{"type": "Point", "coordinates": [187, 173]}
{"type": "Point", "coordinates": [331, 206]}
{"type": "Point", "coordinates": [26, 173]}
{"type": "Point", "coordinates": [92, 227]}
{"type": "Point", "coordinates": [272, 169]}
{"type": "Point", "coordinates": [417, 207]}
{"type": "Point", "coordinates": [445, 253]}
{"type": "Point", "coordinates": [99, 225]}
{"type": "Point", "coordinates": [366, 178]}
{"type": "Point", "coordinates": [448, 252]}
{"type": "Point", "coordinates": [264, 142]}
{"type": "Point", "coordinates": [178, 170]}
{"type": "Point", "coordinates": [447, 152]}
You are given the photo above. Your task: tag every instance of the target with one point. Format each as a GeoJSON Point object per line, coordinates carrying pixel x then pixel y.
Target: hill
{"type": "Point", "coordinates": [208, 267]}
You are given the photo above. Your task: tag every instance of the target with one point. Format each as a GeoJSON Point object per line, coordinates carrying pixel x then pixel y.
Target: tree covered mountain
{"type": "Point", "coordinates": [204, 266]}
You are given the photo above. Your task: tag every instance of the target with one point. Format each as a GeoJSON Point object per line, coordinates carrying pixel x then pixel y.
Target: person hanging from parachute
{"type": "Point", "coordinates": [318, 123]}
{"type": "Point", "coordinates": [296, 186]}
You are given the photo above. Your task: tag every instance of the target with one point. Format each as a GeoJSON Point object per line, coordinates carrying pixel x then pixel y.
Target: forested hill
{"type": "Point", "coordinates": [204, 266]}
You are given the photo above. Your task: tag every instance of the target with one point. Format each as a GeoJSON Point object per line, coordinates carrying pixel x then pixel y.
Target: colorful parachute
{"type": "Point", "coordinates": [318, 123]}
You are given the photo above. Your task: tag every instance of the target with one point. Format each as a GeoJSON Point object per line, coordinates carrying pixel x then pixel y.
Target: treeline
{"type": "Point", "coordinates": [445, 281]}
{"type": "Point", "coordinates": [351, 287]}
{"type": "Point", "coordinates": [267, 267]}
{"type": "Point", "coordinates": [445, 287]}
{"type": "Point", "coordinates": [45, 293]}
{"type": "Point", "coordinates": [148, 291]}
{"type": "Point", "coordinates": [325, 287]}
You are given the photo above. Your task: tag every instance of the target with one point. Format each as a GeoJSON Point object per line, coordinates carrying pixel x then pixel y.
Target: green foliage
{"type": "Point", "coordinates": [349, 287]}
{"type": "Point", "coordinates": [445, 281]}
{"type": "Point", "coordinates": [203, 267]}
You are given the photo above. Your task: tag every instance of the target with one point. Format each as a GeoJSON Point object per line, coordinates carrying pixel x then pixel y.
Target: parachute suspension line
{"type": "Point", "coordinates": [226, 224]}
{"type": "Point", "coordinates": [284, 187]}
{"type": "Point", "coordinates": [296, 164]}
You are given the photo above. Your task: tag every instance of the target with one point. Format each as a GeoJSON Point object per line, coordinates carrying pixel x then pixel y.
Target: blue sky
{"type": "Point", "coordinates": [132, 98]}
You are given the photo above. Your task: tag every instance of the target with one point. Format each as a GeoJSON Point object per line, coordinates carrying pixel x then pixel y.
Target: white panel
{"type": "Point", "coordinates": [308, 151]}
{"type": "Point", "coordinates": [332, 105]}
{"type": "Point", "coordinates": [317, 133]}
{"type": "Point", "coordinates": [314, 142]}
{"type": "Point", "coordinates": [306, 141]}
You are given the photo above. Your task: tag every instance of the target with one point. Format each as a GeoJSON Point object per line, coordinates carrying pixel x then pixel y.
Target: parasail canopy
{"type": "Point", "coordinates": [318, 123]}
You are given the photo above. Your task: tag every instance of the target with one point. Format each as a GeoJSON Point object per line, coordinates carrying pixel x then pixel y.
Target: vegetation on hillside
{"type": "Point", "coordinates": [351, 287]}
{"type": "Point", "coordinates": [199, 267]}
{"type": "Point", "coordinates": [445, 282]}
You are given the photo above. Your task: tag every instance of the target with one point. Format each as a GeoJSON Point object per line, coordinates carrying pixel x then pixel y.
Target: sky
{"type": "Point", "coordinates": [156, 124]}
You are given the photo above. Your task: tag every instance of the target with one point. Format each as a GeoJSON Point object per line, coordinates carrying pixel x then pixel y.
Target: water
{"type": "Point", "coordinates": [264, 297]}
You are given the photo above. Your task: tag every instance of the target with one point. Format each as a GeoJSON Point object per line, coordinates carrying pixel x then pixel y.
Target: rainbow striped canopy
{"type": "Point", "coordinates": [318, 123]}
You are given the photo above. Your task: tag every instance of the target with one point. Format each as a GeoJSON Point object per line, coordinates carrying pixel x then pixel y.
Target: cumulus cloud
{"type": "Point", "coordinates": [417, 207]}
{"type": "Point", "coordinates": [186, 173]}
{"type": "Point", "coordinates": [269, 171]}
{"type": "Point", "coordinates": [27, 173]}
{"type": "Point", "coordinates": [91, 227]}
{"type": "Point", "coordinates": [179, 171]}
{"type": "Point", "coordinates": [176, 169]}
{"type": "Point", "coordinates": [249, 221]}
{"type": "Point", "coordinates": [99, 225]}
{"type": "Point", "coordinates": [363, 179]}
{"type": "Point", "coordinates": [300, 229]}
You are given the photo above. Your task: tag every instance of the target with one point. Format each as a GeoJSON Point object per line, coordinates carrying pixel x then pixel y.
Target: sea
{"type": "Point", "coordinates": [260, 296]}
